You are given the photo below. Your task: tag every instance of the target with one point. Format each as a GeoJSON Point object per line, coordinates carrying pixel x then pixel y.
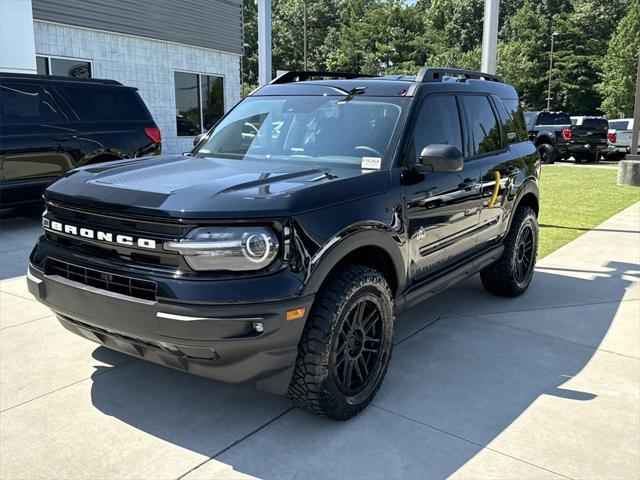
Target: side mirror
{"type": "Point", "coordinates": [440, 158]}
{"type": "Point", "coordinates": [198, 138]}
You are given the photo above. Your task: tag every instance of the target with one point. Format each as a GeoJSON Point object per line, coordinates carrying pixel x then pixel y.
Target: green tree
{"type": "Point", "coordinates": [523, 54]}
{"type": "Point", "coordinates": [619, 66]}
{"type": "Point", "coordinates": [582, 39]}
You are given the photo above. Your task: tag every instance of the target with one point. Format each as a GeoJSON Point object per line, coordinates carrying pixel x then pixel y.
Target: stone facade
{"type": "Point", "coordinates": [144, 63]}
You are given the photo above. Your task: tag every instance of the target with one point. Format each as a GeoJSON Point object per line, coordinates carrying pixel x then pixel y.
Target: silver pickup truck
{"type": "Point", "coordinates": [619, 139]}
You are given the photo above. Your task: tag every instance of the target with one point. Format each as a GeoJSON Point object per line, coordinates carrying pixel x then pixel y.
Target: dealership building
{"type": "Point", "coordinates": [183, 56]}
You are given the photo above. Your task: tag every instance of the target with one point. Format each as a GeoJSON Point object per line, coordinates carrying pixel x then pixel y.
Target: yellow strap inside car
{"type": "Point", "coordinates": [496, 188]}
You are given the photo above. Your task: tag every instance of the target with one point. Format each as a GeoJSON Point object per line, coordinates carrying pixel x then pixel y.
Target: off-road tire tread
{"type": "Point", "coordinates": [311, 368]}
{"type": "Point", "coordinates": [497, 278]}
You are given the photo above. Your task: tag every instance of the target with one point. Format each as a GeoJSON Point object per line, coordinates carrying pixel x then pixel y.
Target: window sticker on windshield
{"type": "Point", "coordinates": [371, 163]}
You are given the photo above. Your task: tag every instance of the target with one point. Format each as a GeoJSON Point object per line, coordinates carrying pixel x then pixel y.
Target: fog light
{"type": "Point", "coordinates": [258, 327]}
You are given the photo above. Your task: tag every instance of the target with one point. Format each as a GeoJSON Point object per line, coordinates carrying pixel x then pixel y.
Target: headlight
{"type": "Point", "coordinates": [227, 248]}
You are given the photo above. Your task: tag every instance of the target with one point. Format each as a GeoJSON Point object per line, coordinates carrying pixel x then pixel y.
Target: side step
{"type": "Point", "coordinates": [447, 279]}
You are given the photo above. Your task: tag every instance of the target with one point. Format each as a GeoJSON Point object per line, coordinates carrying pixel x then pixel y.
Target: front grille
{"type": "Point", "coordinates": [131, 287]}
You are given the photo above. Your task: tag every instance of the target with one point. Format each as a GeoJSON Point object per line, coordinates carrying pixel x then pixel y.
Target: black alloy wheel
{"type": "Point", "coordinates": [357, 351]}
{"type": "Point", "coordinates": [524, 254]}
{"type": "Point", "coordinates": [346, 345]}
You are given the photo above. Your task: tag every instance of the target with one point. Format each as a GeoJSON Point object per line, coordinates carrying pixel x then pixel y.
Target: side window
{"type": "Point", "coordinates": [512, 120]}
{"type": "Point", "coordinates": [27, 104]}
{"type": "Point", "coordinates": [438, 122]}
{"type": "Point", "coordinates": [103, 103]}
{"type": "Point", "coordinates": [483, 126]}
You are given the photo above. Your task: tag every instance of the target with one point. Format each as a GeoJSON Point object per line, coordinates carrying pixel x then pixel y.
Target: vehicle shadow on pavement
{"type": "Point", "coordinates": [19, 230]}
{"type": "Point", "coordinates": [451, 389]}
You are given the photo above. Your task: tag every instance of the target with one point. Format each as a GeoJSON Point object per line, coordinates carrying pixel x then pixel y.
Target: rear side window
{"type": "Point", "coordinates": [104, 103]}
{"type": "Point", "coordinates": [545, 118]}
{"type": "Point", "coordinates": [27, 104]}
{"type": "Point", "coordinates": [595, 122]}
{"type": "Point", "coordinates": [483, 125]}
{"type": "Point", "coordinates": [512, 119]}
{"type": "Point", "coordinates": [438, 122]}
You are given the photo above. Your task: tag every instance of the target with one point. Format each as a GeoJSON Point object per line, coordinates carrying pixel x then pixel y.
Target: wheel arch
{"type": "Point", "coordinates": [373, 248]}
{"type": "Point", "coordinates": [103, 155]}
{"type": "Point", "coordinates": [544, 139]}
{"type": "Point", "coordinates": [528, 196]}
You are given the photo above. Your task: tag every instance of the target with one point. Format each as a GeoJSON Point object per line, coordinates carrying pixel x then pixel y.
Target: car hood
{"type": "Point", "coordinates": [206, 187]}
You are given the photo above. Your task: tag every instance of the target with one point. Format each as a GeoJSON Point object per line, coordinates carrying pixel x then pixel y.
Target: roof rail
{"type": "Point", "coordinates": [435, 74]}
{"type": "Point", "coordinates": [302, 75]}
{"type": "Point", "coordinates": [58, 78]}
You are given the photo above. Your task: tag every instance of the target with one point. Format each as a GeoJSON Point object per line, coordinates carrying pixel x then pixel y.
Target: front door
{"type": "Point", "coordinates": [442, 208]}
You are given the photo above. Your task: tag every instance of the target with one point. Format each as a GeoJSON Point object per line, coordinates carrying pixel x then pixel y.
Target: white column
{"type": "Point", "coordinates": [490, 35]}
{"type": "Point", "coordinates": [264, 41]}
{"type": "Point", "coordinates": [17, 41]}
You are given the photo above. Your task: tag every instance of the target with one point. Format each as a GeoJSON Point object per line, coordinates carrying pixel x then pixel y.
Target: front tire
{"type": "Point", "coordinates": [511, 275]}
{"type": "Point", "coordinates": [346, 346]}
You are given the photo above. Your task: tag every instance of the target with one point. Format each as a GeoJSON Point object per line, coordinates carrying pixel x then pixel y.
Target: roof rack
{"type": "Point", "coordinates": [434, 74]}
{"type": "Point", "coordinates": [58, 78]}
{"type": "Point", "coordinates": [302, 75]}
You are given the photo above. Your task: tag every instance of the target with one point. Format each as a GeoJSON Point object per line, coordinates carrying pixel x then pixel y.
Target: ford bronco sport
{"type": "Point", "coordinates": [280, 250]}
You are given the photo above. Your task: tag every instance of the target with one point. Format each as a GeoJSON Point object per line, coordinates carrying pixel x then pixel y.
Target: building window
{"type": "Point", "coordinates": [199, 102]}
{"type": "Point", "coordinates": [64, 67]}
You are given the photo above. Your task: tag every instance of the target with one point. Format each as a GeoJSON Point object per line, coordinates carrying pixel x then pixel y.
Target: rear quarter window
{"type": "Point", "coordinates": [513, 120]}
{"type": "Point", "coordinates": [104, 103]}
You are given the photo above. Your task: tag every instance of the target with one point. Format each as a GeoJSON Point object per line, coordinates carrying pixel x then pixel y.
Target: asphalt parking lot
{"type": "Point", "coordinates": [543, 386]}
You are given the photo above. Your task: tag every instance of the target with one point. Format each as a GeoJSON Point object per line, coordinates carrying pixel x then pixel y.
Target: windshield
{"type": "Point", "coordinates": [340, 129]}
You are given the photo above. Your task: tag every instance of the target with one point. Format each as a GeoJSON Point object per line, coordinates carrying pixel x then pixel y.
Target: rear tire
{"type": "Point", "coordinates": [346, 346]}
{"type": "Point", "coordinates": [511, 275]}
{"type": "Point", "coordinates": [547, 153]}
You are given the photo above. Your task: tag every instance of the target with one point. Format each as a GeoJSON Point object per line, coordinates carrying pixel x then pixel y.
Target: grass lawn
{"type": "Point", "coordinates": [574, 199]}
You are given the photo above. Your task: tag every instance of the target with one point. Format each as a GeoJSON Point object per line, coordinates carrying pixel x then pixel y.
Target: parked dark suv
{"type": "Point", "coordinates": [280, 251]}
{"type": "Point", "coordinates": [50, 125]}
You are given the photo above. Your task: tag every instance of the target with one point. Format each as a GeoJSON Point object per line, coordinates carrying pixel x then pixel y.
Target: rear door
{"type": "Point", "coordinates": [442, 207]}
{"type": "Point", "coordinates": [37, 141]}
{"type": "Point", "coordinates": [592, 132]}
{"type": "Point", "coordinates": [499, 164]}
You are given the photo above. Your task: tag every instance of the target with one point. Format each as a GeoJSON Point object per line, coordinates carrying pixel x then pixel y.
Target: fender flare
{"type": "Point", "coordinates": [530, 186]}
{"type": "Point", "coordinates": [341, 245]}
{"type": "Point", "coordinates": [545, 137]}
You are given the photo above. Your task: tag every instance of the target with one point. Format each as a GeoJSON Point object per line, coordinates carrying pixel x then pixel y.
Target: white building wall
{"type": "Point", "coordinates": [144, 63]}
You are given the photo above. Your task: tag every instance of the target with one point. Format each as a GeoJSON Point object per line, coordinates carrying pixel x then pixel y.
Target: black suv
{"type": "Point", "coordinates": [281, 249]}
{"type": "Point", "coordinates": [50, 125]}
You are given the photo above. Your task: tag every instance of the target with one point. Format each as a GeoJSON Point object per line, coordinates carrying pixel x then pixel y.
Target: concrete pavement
{"type": "Point", "coordinates": [542, 386]}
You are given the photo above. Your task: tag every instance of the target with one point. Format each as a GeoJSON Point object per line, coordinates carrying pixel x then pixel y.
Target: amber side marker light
{"type": "Point", "coordinates": [295, 314]}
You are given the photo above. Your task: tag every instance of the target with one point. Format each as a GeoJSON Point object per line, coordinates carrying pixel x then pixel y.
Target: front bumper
{"type": "Point", "coordinates": [222, 342]}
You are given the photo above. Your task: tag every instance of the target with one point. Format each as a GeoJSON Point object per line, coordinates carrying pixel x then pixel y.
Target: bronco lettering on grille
{"type": "Point", "coordinates": [91, 234]}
